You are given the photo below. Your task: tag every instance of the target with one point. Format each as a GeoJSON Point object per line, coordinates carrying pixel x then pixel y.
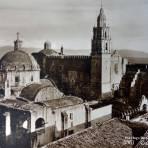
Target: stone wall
{"type": "Point", "coordinates": [83, 76]}
{"type": "Point", "coordinates": [70, 73]}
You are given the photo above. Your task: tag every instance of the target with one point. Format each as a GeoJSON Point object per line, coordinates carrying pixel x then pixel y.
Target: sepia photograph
{"type": "Point", "coordinates": [73, 74]}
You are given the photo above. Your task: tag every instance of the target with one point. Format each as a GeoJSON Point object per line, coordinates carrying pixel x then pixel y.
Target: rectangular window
{"type": "Point", "coordinates": [71, 124]}
{"type": "Point", "coordinates": [31, 78]}
{"type": "Point", "coordinates": [70, 132]}
{"type": "Point", "coordinates": [71, 116]}
{"type": "Point", "coordinates": [17, 79]}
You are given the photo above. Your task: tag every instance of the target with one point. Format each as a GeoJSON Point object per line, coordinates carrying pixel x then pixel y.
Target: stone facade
{"type": "Point", "coordinates": [89, 77]}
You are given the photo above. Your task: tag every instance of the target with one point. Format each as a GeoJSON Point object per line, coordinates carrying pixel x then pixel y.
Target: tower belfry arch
{"type": "Point", "coordinates": [101, 55]}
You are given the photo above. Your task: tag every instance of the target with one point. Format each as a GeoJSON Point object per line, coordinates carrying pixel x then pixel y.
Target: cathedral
{"type": "Point", "coordinates": [49, 95]}
{"type": "Point", "coordinates": [94, 77]}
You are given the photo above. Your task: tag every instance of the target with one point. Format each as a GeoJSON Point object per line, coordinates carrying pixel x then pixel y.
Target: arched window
{"type": "Point", "coordinates": [39, 123]}
{"type": "Point", "coordinates": [116, 68]}
{"type": "Point", "coordinates": [106, 46]}
{"type": "Point", "coordinates": [23, 67]}
{"type": "Point", "coordinates": [25, 124]}
{"type": "Point", "coordinates": [31, 78]}
{"type": "Point", "coordinates": [105, 34]}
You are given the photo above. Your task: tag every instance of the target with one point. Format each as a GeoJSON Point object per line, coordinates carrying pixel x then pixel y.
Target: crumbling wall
{"type": "Point", "coordinates": [19, 136]}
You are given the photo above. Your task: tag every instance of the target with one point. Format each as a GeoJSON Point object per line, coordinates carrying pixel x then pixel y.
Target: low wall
{"type": "Point", "coordinates": [101, 112]}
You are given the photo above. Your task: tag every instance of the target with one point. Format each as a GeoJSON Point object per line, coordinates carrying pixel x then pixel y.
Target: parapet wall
{"type": "Point", "coordinates": [69, 57]}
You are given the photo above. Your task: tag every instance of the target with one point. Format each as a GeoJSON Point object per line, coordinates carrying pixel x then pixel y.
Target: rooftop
{"type": "Point", "coordinates": [110, 134]}
{"type": "Point", "coordinates": [30, 91]}
{"type": "Point", "coordinates": [63, 102]}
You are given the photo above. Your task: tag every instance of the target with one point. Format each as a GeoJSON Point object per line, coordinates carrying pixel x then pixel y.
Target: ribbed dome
{"type": "Point", "coordinates": [18, 60]}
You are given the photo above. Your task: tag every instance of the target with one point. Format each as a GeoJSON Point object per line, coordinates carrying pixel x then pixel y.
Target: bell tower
{"type": "Point", "coordinates": [101, 36]}
{"type": "Point", "coordinates": [101, 56]}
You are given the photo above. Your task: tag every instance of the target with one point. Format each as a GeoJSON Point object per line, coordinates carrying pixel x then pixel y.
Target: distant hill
{"type": "Point", "coordinates": [30, 50]}
{"type": "Point", "coordinates": [134, 56]}
{"type": "Point", "coordinates": [6, 49]}
{"type": "Point", "coordinates": [133, 53]}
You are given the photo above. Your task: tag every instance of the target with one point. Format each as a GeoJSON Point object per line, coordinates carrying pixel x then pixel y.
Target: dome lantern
{"type": "Point", "coordinates": [17, 43]}
{"type": "Point", "coordinates": [101, 22]}
{"type": "Point", "coordinates": [47, 45]}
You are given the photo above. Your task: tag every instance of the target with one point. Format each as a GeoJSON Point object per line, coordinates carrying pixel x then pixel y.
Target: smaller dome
{"type": "Point", "coordinates": [48, 90]}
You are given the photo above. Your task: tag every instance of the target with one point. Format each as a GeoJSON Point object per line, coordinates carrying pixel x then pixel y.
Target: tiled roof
{"type": "Point", "coordinates": [109, 135]}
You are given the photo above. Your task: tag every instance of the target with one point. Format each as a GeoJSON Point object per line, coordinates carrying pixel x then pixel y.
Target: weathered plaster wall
{"type": "Point", "coordinates": [25, 77]}
{"type": "Point", "coordinates": [18, 135]}
{"type": "Point", "coordinates": [48, 93]}
{"type": "Point", "coordinates": [118, 69]}
{"type": "Point", "coordinates": [54, 125]}
{"type": "Point", "coordinates": [101, 112]}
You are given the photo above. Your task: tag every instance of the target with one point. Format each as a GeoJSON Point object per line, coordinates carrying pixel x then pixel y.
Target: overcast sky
{"type": "Point", "coordinates": [70, 22]}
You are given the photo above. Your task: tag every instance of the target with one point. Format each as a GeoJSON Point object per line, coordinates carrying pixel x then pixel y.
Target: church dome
{"type": "Point", "coordinates": [18, 60]}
